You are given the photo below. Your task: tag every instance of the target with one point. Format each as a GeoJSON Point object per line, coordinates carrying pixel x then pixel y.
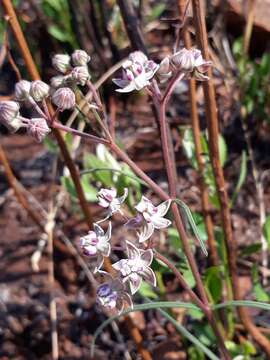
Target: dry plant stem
{"type": "Point", "coordinates": [255, 172]}
{"type": "Point", "coordinates": [53, 313]}
{"type": "Point", "coordinates": [249, 25]}
{"type": "Point", "coordinates": [212, 124]}
{"type": "Point", "coordinates": [14, 185]}
{"type": "Point", "coordinates": [198, 151]}
{"type": "Point", "coordinates": [32, 69]}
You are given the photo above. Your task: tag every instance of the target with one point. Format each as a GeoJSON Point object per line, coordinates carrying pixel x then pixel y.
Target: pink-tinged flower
{"type": "Point", "coordinates": [96, 244]}
{"type": "Point", "coordinates": [22, 90]}
{"type": "Point", "coordinates": [137, 71]}
{"type": "Point", "coordinates": [107, 198]}
{"type": "Point", "coordinates": [80, 75]}
{"type": "Point", "coordinates": [38, 128]}
{"type": "Point", "coordinates": [112, 294]}
{"type": "Point", "coordinates": [64, 98]}
{"type": "Point", "coordinates": [136, 268]}
{"type": "Point", "coordinates": [61, 62]}
{"type": "Point", "coordinates": [153, 217]}
{"type": "Point", "coordinates": [80, 58]}
{"type": "Point", "coordinates": [164, 71]}
{"type": "Point", "coordinates": [192, 63]}
{"type": "Point", "coordinates": [39, 90]}
{"type": "Point", "coordinates": [57, 81]}
{"type": "Point", "coordinates": [9, 115]}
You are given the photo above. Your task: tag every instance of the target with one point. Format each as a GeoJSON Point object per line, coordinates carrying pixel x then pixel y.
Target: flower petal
{"type": "Point", "coordinates": [163, 208]}
{"type": "Point", "coordinates": [108, 234]}
{"type": "Point", "coordinates": [132, 251]}
{"type": "Point", "coordinates": [135, 281]}
{"type": "Point", "coordinates": [130, 87]}
{"type": "Point", "coordinates": [100, 261]}
{"type": "Point", "coordinates": [147, 232]}
{"type": "Point", "coordinates": [106, 249]}
{"type": "Point", "coordinates": [98, 230]}
{"type": "Point", "coordinates": [149, 276]}
{"type": "Point", "coordinates": [147, 257]}
{"type": "Point", "coordinates": [142, 205]}
{"type": "Point", "coordinates": [160, 222]}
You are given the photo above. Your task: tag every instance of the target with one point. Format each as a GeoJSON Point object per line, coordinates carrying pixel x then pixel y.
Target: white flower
{"type": "Point", "coordinates": [61, 62]}
{"type": "Point", "coordinates": [137, 71]}
{"type": "Point", "coordinates": [39, 90]}
{"type": "Point", "coordinates": [80, 75]}
{"type": "Point", "coordinates": [191, 62]}
{"type": "Point", "coordinates": [22, 90]}
{"type": "Point", "coordinates": [136, 267]}
{"type": "Point", "coordinates": [164, 71]}
{"type": "Point", "coordinates": [80, 58]}
{"type": "Point", "coordinates": [96, 244]}
{"type": "Point", "coordinates": [64, 98]}
{"type": "Point", "coordinates": [108, 199]}
{"type": "Point", "coordinates": [112, 294]}
{"type": "Point", "coordinates": [153, 216]}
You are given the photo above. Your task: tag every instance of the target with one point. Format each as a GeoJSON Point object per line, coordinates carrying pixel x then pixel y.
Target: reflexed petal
{"type": "Point", "coordinates": [108, 234]}
{"type": "Point", "coordinates": [135, 281]}
{"type": "Point", "coordinates": [149, 276]}
{"type": "Point", "coordinates": [130, 87]}
{"type": "Point", "coordinates": [147, 257]}
{"type": "Point", "coordinates": [132, 251]}
{"type": "Point", "coordinates": [205, 66]}
{"type": "Point", "coordinates": [102, 202]}
{"type": "Point", "coordinates": [107, 276]}
{"type": "Point", "coordinates": [164, 207]}
{"type": "Point", "coordinates": [147, 232]}
{"type": "Point", "coordinates": [142, 205]}
{"type": "Point", "coordinates": [114, 207]}
{"type": "Point", "coordinates": [140, 81]}
{"type": "Point", "coordinates": [121, 82]}
{"type": "Point", "coordinates": [122, 198]}
{"type": "Point", "coordinates": [127, 298]}
{"type": "Point", "coordinates": [160, 222]}
{"type": "Point", "coordinates": [98, 230]}
{"type": "Point", "coordinates": [100, 261]}
{"type": "Point", "coordinates": [119, 305]}
{"type": "Point", "coordinates": [200, 76]}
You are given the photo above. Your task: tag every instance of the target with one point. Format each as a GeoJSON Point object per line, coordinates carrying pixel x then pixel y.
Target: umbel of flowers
{"type": "Point", "coordinates": [116, 291]}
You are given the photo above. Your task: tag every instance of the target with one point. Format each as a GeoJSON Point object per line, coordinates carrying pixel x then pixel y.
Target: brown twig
{"type": "Point", "coordinates": [212, 125]}
{"type": "Point", "coordinates": [249, 25]}
{"type": "Point", "coordinates": [198, 150]}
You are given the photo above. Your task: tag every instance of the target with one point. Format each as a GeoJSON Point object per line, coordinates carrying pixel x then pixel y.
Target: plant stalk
{"type": "Point", "coordinates": [212, 125]}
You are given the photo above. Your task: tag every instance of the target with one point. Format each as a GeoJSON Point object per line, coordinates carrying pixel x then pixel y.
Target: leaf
{"type": "Point", "coordinates": [222, 148]}
{"type": "Point", "coordinates": [189, 278]}
{"type": "Point", "coordinates": [90, 191]}
{"type": "Point", "coordinates": [50, 145]}
{"type": "Point", "coordinates": [189, 146]}
{"type": "Point", "coordinates": [58, 33]}
{"type": "Point", "coordinates": [266, 230]}
{"type": "Point", "coordinates": [157, 10]}
{"type": "Point", "coordinates": [250, 249]}
{"type": "Point", "coordinates": [68, 184]}
{"type": "Point", "coordinates": [213, 282]}
{"type": "Point", "coordinates": [192, 224]}
{"type": "Point", "coordinates": [93, 162]}
{"type": "Point", "coordinates": [146, 291]}
{"type": "Point", "coordinates": [242, 176]}
{"type": "Point", "coordinates": [158, 306]}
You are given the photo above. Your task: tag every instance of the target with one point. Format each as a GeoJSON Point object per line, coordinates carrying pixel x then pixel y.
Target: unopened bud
{"type": "Point", "coordinates": [39, 90]}
{"type": "Point", "coordinates": [38, 128]}
{"type": "Point", "coordinates": [64, 98]}
{"type": "Point", "coordinates": [80, 75]}
{"type": "Point", "coordinates": [80, 58]}
{"type": "Point", "coordinates": [9, 112]}
{"type": "Point", "coordinates": [184, 60]}
{"type": "Point", "coordinates": [22, 90]}
{"type": "Point", "coordinates": [164, 70]}
{"type": "Point", "coordinates": [57, 81]}
{"type": "Point", "coordinates": [61, 62]}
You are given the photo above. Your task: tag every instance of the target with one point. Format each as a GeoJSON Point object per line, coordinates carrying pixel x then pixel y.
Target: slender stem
{"type": "Point", "coordinates": [212, 125]}
{"type": "Point", "coordinates": [92, 138]}
{"type": "Point", "coordinates": [198, 149]}
{"type": "Point", "coordinates": [94, 92]}
{"type": "Point", "coordinates": [181, 280]}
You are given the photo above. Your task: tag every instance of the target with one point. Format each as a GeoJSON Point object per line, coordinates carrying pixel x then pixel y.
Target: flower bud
{"type": "Point", "coordinates": [184, 60]}
{"type": "Point", "coordinates": [39, 90]}
{"type": "Point", "coordinates": [164, 71]}
{"type": "Point", "coordinates": [80, 75]}
{"type": "Point", "coordinates": [9, 111]}
{"type": "Point", "coordinates": [22, 90]}
{"type": "Point", "coordinates": [57, 81]}
{"type": "Point", "coordinates": [38, 128]}
{"type": "Point", "coordinates": [64, 98]}
{"type": "Point", "coordinates": [80, 58]}
{"type": "Point", "coordinates": [61, 62]}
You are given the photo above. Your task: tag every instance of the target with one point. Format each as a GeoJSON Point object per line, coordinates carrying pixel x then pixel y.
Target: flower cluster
{"type": "Point", "coordinates": [116, 292]}
{"type": "Point", "coordinates": [138, 71]}
{"type": "Point", "coordinates": [73, 71]}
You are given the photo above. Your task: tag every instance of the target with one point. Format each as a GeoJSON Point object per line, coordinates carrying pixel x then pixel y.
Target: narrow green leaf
{"type": "Point", "coordinates": [242, 176]}
{"type": "Point", "coordinates": [266, 230]}
{"type": "Point", "coordinates": [222, 148]}
{"type": "Point", "coordinates": [245, 303]}
{"type": "Point", "coordinates": [192, 224]}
